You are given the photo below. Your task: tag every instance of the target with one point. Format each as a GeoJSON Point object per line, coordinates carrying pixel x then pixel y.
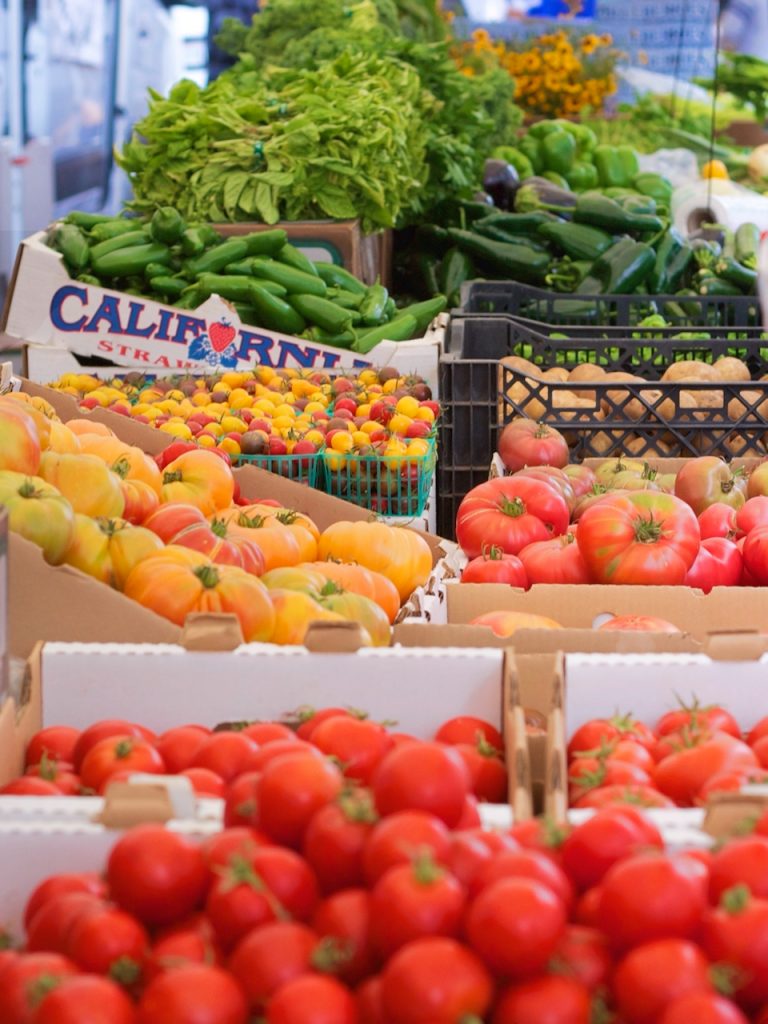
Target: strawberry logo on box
{"type": "Point", "coordinates": [217, 347]}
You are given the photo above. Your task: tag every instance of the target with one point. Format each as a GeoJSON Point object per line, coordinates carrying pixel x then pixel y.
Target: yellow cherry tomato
{"type": "Point", "coordinates": [715, 169]}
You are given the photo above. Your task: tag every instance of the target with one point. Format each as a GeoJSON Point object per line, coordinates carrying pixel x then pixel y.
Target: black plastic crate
{"type": "Point", "coordinates": [617, 310]}
{"type": "Point", "coordinates": [644, 351]}
{"type": "Point", "coordinates": [654, 419]}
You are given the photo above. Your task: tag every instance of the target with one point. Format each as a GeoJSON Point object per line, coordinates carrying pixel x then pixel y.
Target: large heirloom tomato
{"type": "Point", "coordinates": [294, 612]}
{"type": "Point", "coordinates": [510, 513]}
{"type": "Point", "coordinates": [528, 443]}
{"type": "Point", "coordinates": [198, 478]}
{"type": "Point", "coordinates": [555, 561]}
{"type": "Point", "coordinates": [361, 581]}
{"type": "Point", "coordinates": [645, 537]}
{"type": "Point", "coordinates": [38, 512]}
{"type": "Point", "coordinates": [169, 520]}
{"type": "Point", "coordinates": [177, 581]}
{"type": "Point", "coordinates": [221, 545]}
{"type": "Point", "coordinates": [266, 517]}
{"type": "Point", "coordinates": [278, 544]}
{"type": "Point", "coordinates": [360, 609]}
{"type": "Point", "coordinates": [400, 554]}
{"type": "Point", "coordinates": [108, 549]}
{"type": "Point", "coordinates": [86, 482]}
{"type": "Point", "coordinates": [19, 439]}
{"type": "Point", "coordinates": [707, 480]}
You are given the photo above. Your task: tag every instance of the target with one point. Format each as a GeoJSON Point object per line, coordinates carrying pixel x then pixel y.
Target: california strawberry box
{"type": "Point", "coordinates": [221, 308]}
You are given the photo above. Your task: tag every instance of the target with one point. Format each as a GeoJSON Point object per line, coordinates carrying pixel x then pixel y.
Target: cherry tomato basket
{"type": "Point", "coordinates": [302, 469]}
{"type": "Point", "coordinates": [390, 485]}
{"type": "Point", "coordinates": [617, 310]}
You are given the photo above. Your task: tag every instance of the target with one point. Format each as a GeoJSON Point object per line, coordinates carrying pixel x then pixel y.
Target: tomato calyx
{"type": "Point", "coordinates": [357, 806]}
{"type": "Point", "coordinates": [736, 899]}
{"type": "Point", "coordinates": [48, 767]}
{"type": "Point", "coordinates": [172, 476]}
{"type": "Point", "coordinates": [6, 942]}
{"type": "Point", "coordinates": [287, 517]}
{"type": "Point", "coordinates": [647, 531]}
{"type": "Point", "coordinates": [251, 522]}
{"type": "Point", "coordinates": [121, 467]}
{"type": "Point", "coordinates": [725, 978]}
{"type": "Point", "coordinates": [331, 589]}
{"type": "Point", "coordinates": [125, 971]}
{"type": "Point", "coordinates": [41, 987]}
{"type": "Point", "coordinates": [485, 748]}
{"type": "Point", "coordinates": [208, 576]}
{"type": "Point", "coordinates": [219, 528]}
{"type": "Point", "coordinates": [28, 490]}
{"type": "Point", "coordinates": [554, 834]}
{"type": "Point", "coordinates": [123, 748]}
{"type": "Point", "coordinates": [331, 954]}
{"type": "Point", "coordinates": [602, 753]}
{"type": "Point", "coordinates": [426, 870]}
{"type": "Point", "coordinates": [512, 507]}
{"type": "Point", "coordinates": [492, 553]}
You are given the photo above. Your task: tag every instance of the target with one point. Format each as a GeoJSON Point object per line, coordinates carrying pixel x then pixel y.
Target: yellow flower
{"type": "Point", "coordinates": [590, 43]}
{"type": "Point", "coordinates": [606, 39]}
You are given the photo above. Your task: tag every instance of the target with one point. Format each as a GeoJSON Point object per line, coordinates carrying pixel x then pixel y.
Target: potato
{"type": "Point", "coordinates": [558, 373]}
{"type": "Point", "coordinates": [738, 408]}
{"type": "Point", "coordinates": [689, 369]}
{"type": "Point", "coordinates": [730, 368]}
{"type": "Point", "coordinates": [521, 365]}
{"type": "Point", "coordinates": [586, 372]}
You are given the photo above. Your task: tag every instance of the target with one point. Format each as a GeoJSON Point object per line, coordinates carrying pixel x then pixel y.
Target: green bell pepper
{"type": "Point", "coordinates": [654, 185]}
{"type": "Point", "coordinates": [616, 165]}
{"type": "Point", "coordinates": [530, 147]}
{"type": "Point", "coordinates": [581, 176]}
{"type": "Point", "coordinates": [558, 150]}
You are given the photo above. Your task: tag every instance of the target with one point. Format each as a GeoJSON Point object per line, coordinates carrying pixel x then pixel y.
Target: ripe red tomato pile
{"type": "Point", "coordinates": [331, 906]}
{"type": "Point", "coordinates": [690, 754]}
{"type": "Point", "coordinates": [227, 762]}
{"type": "Point", "coordinates": [622, 523]}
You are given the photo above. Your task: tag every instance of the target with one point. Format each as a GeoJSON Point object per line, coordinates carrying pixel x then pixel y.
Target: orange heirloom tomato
{"type": "Point", "coordinates": [108, 549]}
{"type": "Point", "coordinates": [126, 460]}
{"type": "Point", "coordinates": [83, 426]}
{"type": "Point", "coordinates": [19, 439]}
{"type": "Point", "coordinates": [400, 554]}
{"type": "Point", "coordinates": [38, 512]}
{"type": "Point", "coordinates": [298, 577]}
{"type": "Point", "coordinates": [88, 484]}
{"type": "Point", "coordinates": [358, 609]}
{"type": "Point", "coordinates": [198, 478]}
{"type": "Point", "coordinates": [61, 439]}
{"type": "Point", "coordinates": [177, 581]}
{"type": "Point", "coordinates": [361, 581]}
{"type": "Point", "coordinates": [141, 501]}
{"type": "Point", "coordinates": [277, 543]}
{"type": "Point", "coordinates": [170, 520]}
{"type": "Point", "coordinates": [20, 400]}
{"type": "Point", "coordinates": [294, 612]}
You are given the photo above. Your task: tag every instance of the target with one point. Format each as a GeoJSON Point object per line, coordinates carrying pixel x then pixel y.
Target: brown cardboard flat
{"type": "Point", "coordinates": [20, 721]}
{"type": "Point", "coordinates": [368, 257]}
{"type": "Point", "coordinates": [62, 603]}
{"type": "Point", "coordinates": [516, 746]}
{"type": "Point", "coordinates": [127, 804]}
{"type": "Point", "coordinates": [206, 631]}
{"type": "Point", "coordinates": [732, 814]}
{"type": "Point", "coordinates": [334, 637]}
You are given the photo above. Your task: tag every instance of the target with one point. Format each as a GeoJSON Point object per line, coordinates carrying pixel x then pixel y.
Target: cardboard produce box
{"type": "Point", "coordinates": [45, 306]}
{"type": "Point", "coordinates": [368, 257]}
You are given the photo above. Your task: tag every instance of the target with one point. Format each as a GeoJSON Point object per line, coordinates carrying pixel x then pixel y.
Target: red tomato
{"type": "Point", "coordinates": [719, 563]}
{"type": "Point", "coordinates": [268, 732]}
{"type": "Point", "coordinates": [241, 804]}
{"type": "Point", "coordinates": [557, 560]}
{"type": "Point", "coordinates": [395, 839]}
{"type": "Point", "coordinates": [582, 478]}
{"type": "Point", "coordinates": [493, 566]}
{"type": "Point", "coordinates": [103, 730]}
{"type": "Point", "coordinates": [309, 719]}
{"type": "Point", "coordinates": [528, 443]}
{"type": "Point", "coordinates": [649, 897]}
{"type": "Point", "coordinates": [725, 782]}
{"type": "Point", "coordinates": [229, 754]}
{"type": "Point", "coordinates": [541, 834]}
{"type": "Point", "coordinates": [105, 940]}
{"type": "Point", "coordinates": [645, 537]}
{"type": "Point", "coordinates": [412, 901]}
{"type": "Point", "coordinates": [335, 840]}
{"type": "Point", "coordinates": [269, 957]}
{"type": "Point", "coordinates": [511, 513]}
{"type": "Point", "coordinates": [703, 1008]}
{"type": "Point", "coordinates": [193, 992]}
{"type": "Point", "coordinates": [757, 731]}
{"type": "Point", "coordinates": [603, 840]}
{"type": "Point", "coordinates": [358, 744]}
{"type": "Point", "coordinates": [487, 771]}
{"type": "Point", "coordinates": [466, 729]}
{"type": "Point", "coordinates": [25, 975]}
{"type": "Point", "coordinates": [612, 796]}
{"type": "Point", "coordinates": [704, 481]}
{"type": "Point", "coordinates": [312, 999]}
{"type": "Point", "coordinates": [753, 514]}
{"type": "Point", "coordinates": [58, 885]}
{"type": "Point", "coordinates": [178, 747]}
{"type": "Point", "coordinates": [760, 748]}
{"type": "Point", "coordinates": [370, 1002]}
{"type": "Point", "coordinates": [755, 552]}
{"type": "Point", "coordinates": [57, 773]}
{"type": "Point", "coordinates": [553, 477]}
{"type": "Point", "coordinates": [425, 776]}
{"type": "Point", "coordinates": [30, 785]}
{"type": "Point", "coordinates": [694, 717]}
{"type": "Point", "coordinates": [118, 754]}
{"type": "Point", "coordinates": [97, 1000]}
{"type": "Point", "coordinates": [633, 753]}
{"type": "Point", "coordinates": [269, 884]}
{"type": "Point", "coordinates": [599, 731]}
{"type": "Point", "coordinates": [583, 954]}
{"type": "Point", "coordinates": [736, 933]}
{"type": "Point", "coordinates": [57, 742]}
{"type": "Point", "coordinates": [743, 861]}
{"type": "Point", "coordinates": [588, 906]}
{"type": "Point", "coordinates": [682, 774]}
{"type": "Point", "coordinates": [345, 918]}
{"type": "Point", "coordinates": [515, 925]}
{"type": "Point", "coordinates": [586, 774]}
{"type": "Point", "coordinates": [271, 751]}
{"type": "Point", "coordinates": [291, 789]}
{"type": "Point", "coordinates": [436, 980]}
{"type": "Point", "coordinates": [49, 928]}
{"type": "Point", "coordinates": [550, 1000]}
{"type": "Point", "coordinates": [219, 849]}
{"type": "Point", "coordinates": [638, 623]}
{"type": "Point", "coordinates": [470, 814]}
{"type": "Point", "coordinates": [192, 943]}
{"type": "Point", "coordinates": [652, 976]}
{"type": "Point", "coordinates": [525, 864]}
{"type": "Point", "coordinates": [718, 520]}
{"type": "Point", "coordinates": [473, 849]}
{"type": "Point", "coordinates": [157, 875]}
{"type": "Point", "coordinates": [205, 782]}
